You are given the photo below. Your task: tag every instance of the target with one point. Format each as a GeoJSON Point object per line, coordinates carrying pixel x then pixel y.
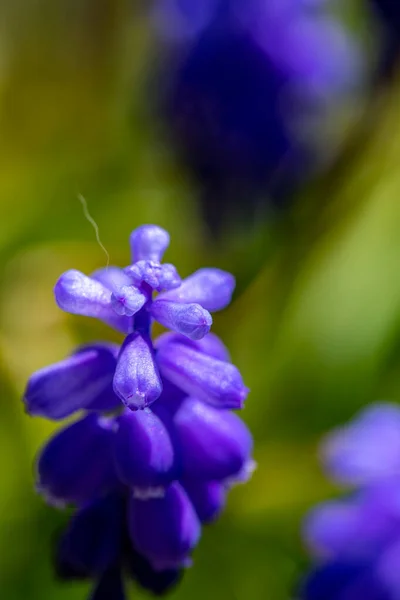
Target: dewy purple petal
{"type": "Point", "coordinates": [214, 381]}
{"type": "Point", "coordinates": [211, 288]}
{"type": "Point", "coordinates": [73, 384]}
{"type": "Point", "coordinates": [190, 320]}
{"type": "Point", "coordinates": [80, 295]}
{"type": "Point", "coordinates": [149, 242]}
{"type": "Point", "coordinates": [137, 381]}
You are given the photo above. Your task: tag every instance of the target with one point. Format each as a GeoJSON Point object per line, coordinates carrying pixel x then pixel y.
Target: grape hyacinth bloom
{"type": "Point", "coordinates": [155, 447]}
{"type": "Point", "coordinates": [356, 540]}
{"type": "Point", "coordinates": [246, 84]}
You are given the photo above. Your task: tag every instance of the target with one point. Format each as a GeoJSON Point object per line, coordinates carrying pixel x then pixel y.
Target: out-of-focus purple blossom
{"type": "Point", "coordinates": [144, 474]}
{"type": "Point", "coordinates": [356, 541]}
{"type": "Point", "coordinates": [245, 83]}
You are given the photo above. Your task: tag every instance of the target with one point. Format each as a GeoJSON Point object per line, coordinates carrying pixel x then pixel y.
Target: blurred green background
{"type": "Point", "coordinates": [314, 327]}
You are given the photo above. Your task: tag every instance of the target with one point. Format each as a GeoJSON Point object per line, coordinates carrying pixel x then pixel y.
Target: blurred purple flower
{"type": "Point", "coordinates": [356, 541]}
{"type": "Point", "coordinates": [143, 479]}
{"type": "Point", "coordinates": [244, 78]}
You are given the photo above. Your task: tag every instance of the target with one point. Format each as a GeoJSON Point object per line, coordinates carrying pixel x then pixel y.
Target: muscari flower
{"type": "Point", "coordinates": [246, 82]}
{"type": "Point", "coordinates": [356, 540]}
{"type": "Point", "coordinates": [157, 447]}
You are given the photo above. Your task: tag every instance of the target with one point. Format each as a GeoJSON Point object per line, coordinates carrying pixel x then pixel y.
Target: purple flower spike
{"type": "Point", "coordinates": [190, 320]}
{"type": "Point", "coordinates": [215, 444]}
{"type": "Point", "coordinates": [76, 383]}
{"type": "Point", "coordinates": [368, 449]}
{"type": "Point", "coordinates": [80, 295]}
{"type": "Point", "coordinates": [207, 497]}
{"type": "Point", "coordinates": [214, 381]}
{"type": "Point", "coordinates": [76, 464]}
{"type": "Point", "coordinates": [136, 380]}
{"type": "Point", "coordinates": [212, 288]}
{"type": "Point", "coordinates": [165, 530]}
{"type": "Point", "coordinates": [142, 478]}
{"type": "Point", "coordinates": [149, 242]}
{"type": "Point", "coordinates": [144, 451]}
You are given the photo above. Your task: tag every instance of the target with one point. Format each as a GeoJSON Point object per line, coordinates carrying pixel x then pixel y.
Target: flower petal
{"type": "Point", "coordinates": [332, 528]}
{"type": "Point", "coordinates": [157, 582]}
{"type": "Point", "coordinates": [92, 541]}
{"type": "Point", "coordinates": [136, 380]}
{"type": "Point", "coordinates": [214, 381]}
{"type": "Point", "coordinates": [157, 276]}
{"type": "Point", "coordinates": [149, 242]}
{"type": "Point", "coordinates": [190, 320]}
{"type": "Point", "coordinates": [366, 450]}
{"type": "Point", "coordinates": [128, 300]}
{"type": "Point", "coordinates": [165, 530]}
{"type": "Point", "coordinates": [215, 444]}
{"type": "Point", "coordinates": [359, 525]}
{"type": "Point", "coordinates": [76, 464]}
{"type": "Point", "coordinates": [347, 580]}
{"type": "Point", "coordinates": [207, 497]}
{"type": "Point", "coordinates": [81, 381]}
{"type": "Point", "coordinates": [112, 278]}
{"type": "Point", "coordinates": [210, 344]}
{"type": "Point", "coordinates": [145, 455]}
{"type": "Point", "coordinates": [80, 295]}
{"type": "Point", "coordinates": [211, 288]}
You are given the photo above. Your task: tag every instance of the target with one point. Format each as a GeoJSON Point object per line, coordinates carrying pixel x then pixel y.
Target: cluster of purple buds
{"type": "Point", "coordinates": [356, 541]}
{"type": "Point", "coordinates": [157, 446]}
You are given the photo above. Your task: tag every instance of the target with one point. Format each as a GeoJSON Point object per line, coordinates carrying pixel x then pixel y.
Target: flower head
{"type": "Point", "coordinates": [356, 541]}
{"type": "Point", "coordinates": [99, 375]}
{"type": "Point", "coordinates": [157, 447]}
